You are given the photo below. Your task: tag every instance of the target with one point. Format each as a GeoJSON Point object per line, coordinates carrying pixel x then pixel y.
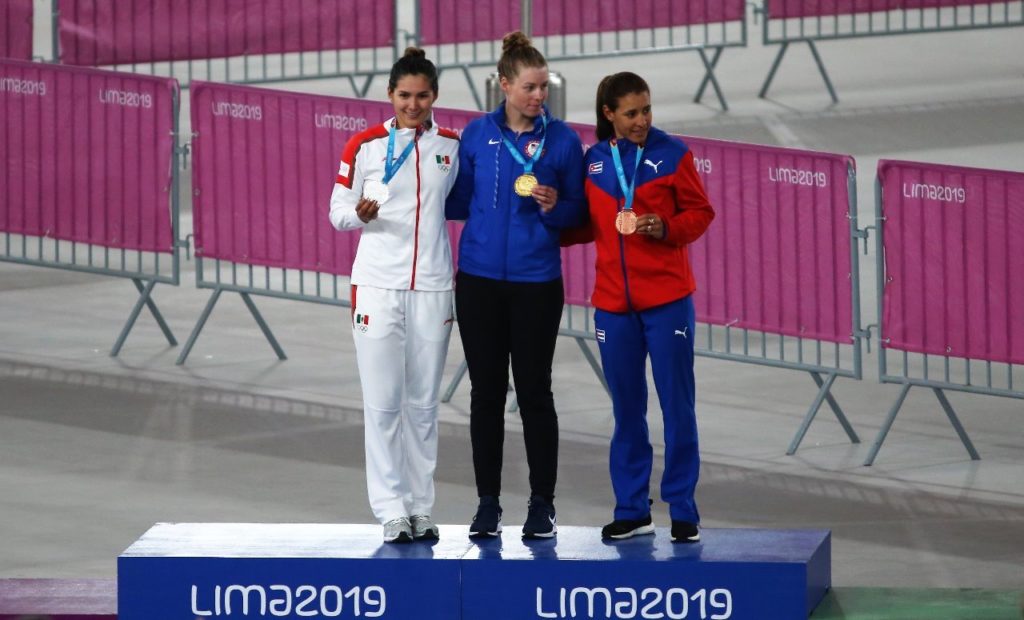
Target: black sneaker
{"type": "Point", "coordinates": [627, 528]}
{"type": "Point", "coordinates": [540, 519]}
{"type": "Point", "coordinates": [685, 532]}
{"type": "Point", "coordinates": [487, 521]}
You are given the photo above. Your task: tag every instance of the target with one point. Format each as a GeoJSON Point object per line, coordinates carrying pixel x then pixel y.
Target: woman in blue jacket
{"type": "Point", "coordinates": [520, 182]}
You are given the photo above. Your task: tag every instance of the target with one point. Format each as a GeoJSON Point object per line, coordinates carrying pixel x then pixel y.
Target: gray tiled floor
{"type": "Point", "coordinates": [94, 449]}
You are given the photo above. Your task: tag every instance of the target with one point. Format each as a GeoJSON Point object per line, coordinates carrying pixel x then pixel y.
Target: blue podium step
{"type": "Point", "coordinates": [239, 570]}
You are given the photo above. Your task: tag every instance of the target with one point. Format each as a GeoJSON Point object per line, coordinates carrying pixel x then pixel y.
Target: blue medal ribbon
{"type": "Point", "coordinates": [389, 169]}
{"type": "Point", "coordinates": [516, 155]}
{"type": "Point", "coordinates": [627, 190]}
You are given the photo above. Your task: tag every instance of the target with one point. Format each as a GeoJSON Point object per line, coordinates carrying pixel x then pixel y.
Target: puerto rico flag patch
{"type": "Point", "coordinates": [600, 335]}
{"type": "Point", "coordinates": [596, 168]}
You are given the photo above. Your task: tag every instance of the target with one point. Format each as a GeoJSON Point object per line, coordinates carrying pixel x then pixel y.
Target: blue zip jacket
{"type": "Point", "coordinates": [508, 237]}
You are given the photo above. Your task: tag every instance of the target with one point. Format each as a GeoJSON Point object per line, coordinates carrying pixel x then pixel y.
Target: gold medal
{"type": "Point", "coordinates": [525, 184]}
{"type": "Point", "coordinates": [625, 222]}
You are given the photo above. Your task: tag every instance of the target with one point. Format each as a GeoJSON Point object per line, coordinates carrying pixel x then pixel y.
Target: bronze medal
{"type": "Point", "coordinates": [625, 222]}
{"type": "Point", "coordinates": [525, 184]}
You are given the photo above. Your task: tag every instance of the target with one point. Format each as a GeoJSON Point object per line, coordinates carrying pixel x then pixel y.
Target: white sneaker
{"type": "Point", "coordinates": [423, 528]}
{"type": "Point", "coordinates": [398, 530]}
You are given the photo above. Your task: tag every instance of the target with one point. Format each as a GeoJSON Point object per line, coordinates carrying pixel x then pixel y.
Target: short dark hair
{"type": "Point", "coordinates": [609, 91]}
{"type": "Point", "coordinates": [413, 62]}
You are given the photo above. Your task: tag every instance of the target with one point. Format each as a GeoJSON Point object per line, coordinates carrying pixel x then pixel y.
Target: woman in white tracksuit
{"type": "Point", "coordinates": [392, 184]}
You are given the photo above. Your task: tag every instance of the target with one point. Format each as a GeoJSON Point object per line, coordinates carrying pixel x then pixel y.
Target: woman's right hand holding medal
{"type": "Point", "coordinates": [366, 210]}
{"type": "Point", "coordinates": [546, 197]}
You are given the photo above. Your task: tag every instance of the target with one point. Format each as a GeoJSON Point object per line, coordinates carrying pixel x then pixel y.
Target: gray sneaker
{"type": "Point", "coordinates": [398, 531]}
{"type": "Point", "coordinates": [423, 528]}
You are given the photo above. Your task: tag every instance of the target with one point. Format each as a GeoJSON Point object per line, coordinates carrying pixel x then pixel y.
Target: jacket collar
{"type": "Point", "coordinates": [429, 126]}
{"type": "Point", "coordinates": [654, 137]}
{"type": "Point", "coordinates": [497, 117]}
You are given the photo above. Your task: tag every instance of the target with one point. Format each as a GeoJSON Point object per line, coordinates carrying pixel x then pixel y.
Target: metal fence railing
{"type": "Point", "coordinates": [264, 168]}
{"type": "Point", "coordinates": [105, 201]}
{"type": "Point", "coordinates": [950, 298]}
{"type": "Point", "coordinates": [248, 41]}
{"type": "Point", "coordinates": [460, 34]}
{"type": "Point", "coordinates": [792, 305]}
{"type": "Point", "coordinates": [777, 272]}
{"type": "Point", "coordinates": [808, 21]}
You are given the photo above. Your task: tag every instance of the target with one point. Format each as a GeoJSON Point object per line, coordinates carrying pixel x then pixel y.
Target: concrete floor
{"type": "Point", "coordinates": [94, 449]}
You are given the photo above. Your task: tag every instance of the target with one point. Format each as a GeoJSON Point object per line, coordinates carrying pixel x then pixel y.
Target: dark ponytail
{"type": "Point", "coordinates": [609, 91]}
{"type": "Point", "coordinates": [413, 62]}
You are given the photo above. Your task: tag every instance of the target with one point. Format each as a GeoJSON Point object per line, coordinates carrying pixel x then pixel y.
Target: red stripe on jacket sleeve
{"type": "Point", "coordinates": [447, 133]}
{"type": "Point", "coordinates": [347, 167]}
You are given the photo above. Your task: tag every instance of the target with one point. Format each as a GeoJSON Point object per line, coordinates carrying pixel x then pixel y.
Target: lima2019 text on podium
{"type": "Point", "coordinates": [248, 570]}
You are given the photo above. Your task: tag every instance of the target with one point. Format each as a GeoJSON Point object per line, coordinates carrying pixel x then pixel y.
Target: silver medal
{"type": "Point", "coordinates": [376, 191]}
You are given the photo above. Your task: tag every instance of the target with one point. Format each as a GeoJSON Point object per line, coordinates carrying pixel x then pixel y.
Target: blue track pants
{"type": "Point", "coordinates": [625, 340]}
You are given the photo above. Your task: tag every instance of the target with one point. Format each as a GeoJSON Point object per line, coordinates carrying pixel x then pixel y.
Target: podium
{"type": "Point", "coordinates": [245, 570]}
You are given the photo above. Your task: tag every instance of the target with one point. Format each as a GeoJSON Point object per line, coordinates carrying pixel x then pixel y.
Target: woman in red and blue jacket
{"type": "Point", "coordinates": [646, 204]}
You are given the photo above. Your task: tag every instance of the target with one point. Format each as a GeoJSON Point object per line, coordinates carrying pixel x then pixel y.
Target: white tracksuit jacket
{"type": "Point", "coordinates": [401, 308]}
{"type": "Point", "coordinates": [406, 247]}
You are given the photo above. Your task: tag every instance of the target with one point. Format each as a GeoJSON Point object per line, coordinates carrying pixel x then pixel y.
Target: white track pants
{"type": "Point", "coordinates": [401, 340]}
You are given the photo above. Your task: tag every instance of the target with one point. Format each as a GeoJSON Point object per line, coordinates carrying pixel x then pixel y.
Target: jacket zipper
{"type": "Point", "coordinates": [622, 255]}
{"type": "Point", "coordinates": [625, 272]}
{"type": "Point", "coordinates": [511, 203]}
{"type": "Point", "coordinates": [416, 234]}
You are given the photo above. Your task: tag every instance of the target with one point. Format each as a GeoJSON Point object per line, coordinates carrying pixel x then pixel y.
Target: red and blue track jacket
{"type": "Point", "coordinates": [637, 272]}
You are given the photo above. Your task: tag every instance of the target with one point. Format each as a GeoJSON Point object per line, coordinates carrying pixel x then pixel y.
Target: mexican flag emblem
{"type": "Point", "coordinates": [444, 163]}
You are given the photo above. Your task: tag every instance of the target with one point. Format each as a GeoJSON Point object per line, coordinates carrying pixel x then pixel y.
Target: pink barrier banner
{"type": "Point", "coordinates": [460, 21]}
{"type": "Point", "coordinates": [87, 155]}
{"type": "Point", "coordinates": [777, 257]}
{"type": "Point", "coordinates": [578, 273]}
{"type": "Point", "coordinates": [105, 32]}
{"type": "Point", "coordinates": [953, 240]}
{"type": "Point", "coordinates": [16, 29]}
{"type": "Point", "coordinates": [265, 163]}
{"type": "Point", "coordinates": [816, 8]}
{"type": "Point", "coordinates": [568, 17]}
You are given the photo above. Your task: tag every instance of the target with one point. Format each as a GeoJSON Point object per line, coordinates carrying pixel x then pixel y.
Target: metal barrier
{"type": "Point", "coordinates": [261, 157]}
{"type": "Point", "coordinates": [264, 163]}
{"type": "Point", "coordinates": [264, 169]}
{"type": "Point", "coordinates": [777, 271]}
{"type": "Point", "coordinates": [16, 29]}
{"type": "Point", "coordinates": [246, 41]}
{"type": "Point", "coordinates": [794, 304]}
{"type": "Point", "coordinates": [951, 300]}
{"type": "Point", "coordinates": [459, 34]}
{"type": "Point", "coordinates": [807, 21]}
{"type": "Point", "coordinates": [91, 175]}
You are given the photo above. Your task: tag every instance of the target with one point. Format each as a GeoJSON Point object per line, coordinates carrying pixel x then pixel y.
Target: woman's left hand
{"type": "Point", "coordinates": [650, 225]}
{"type": "Point", "coordinates": [545, 196]}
